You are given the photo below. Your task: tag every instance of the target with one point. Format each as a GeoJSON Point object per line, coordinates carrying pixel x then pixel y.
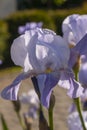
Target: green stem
{"type": "Point", "coordinates": [50, 112]}
{"type": "Point", "coordinates": [18, 115]}
{"type": "Point", "coordinates": [77, 102]}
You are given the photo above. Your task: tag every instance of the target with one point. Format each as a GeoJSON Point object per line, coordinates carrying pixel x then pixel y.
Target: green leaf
{"type": "Point", "coordinates": [4, 124]}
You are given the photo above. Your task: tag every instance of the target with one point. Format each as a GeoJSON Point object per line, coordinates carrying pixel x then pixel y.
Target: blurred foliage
{"type": "Point", "coordinates": [26, 4]}
{"type": "Point", "coordinates": [59, 2]}
{"type": "Point", "coordinates": [4, 124]}
{"type": "Point", "coordinates": [52, 4]}
{"type": "Point", "coordinates": [3, 37]}
{"type": "Point", "coordinates": [21, 17]}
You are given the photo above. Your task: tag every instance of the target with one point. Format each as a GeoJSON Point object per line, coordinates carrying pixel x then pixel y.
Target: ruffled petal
{"type": "Point", "coordinates": [22, 48]}
{"type": "Point", "coordinates": [74, 28]}
{"type": "Point", "coordinates": [68, 20]}
{"type": "Point", "coordinates": [10, 92]}
{"type": "Point", "coordinates": [46, 83]}
{"type": "Point", "coordinates": [64, 79]}
{"type": "Point", "coordinates": [76, 90]}
{"type": "Point", "coordinates": [68, 81]}
{"type": "Point", "coordinates": [50, 53]}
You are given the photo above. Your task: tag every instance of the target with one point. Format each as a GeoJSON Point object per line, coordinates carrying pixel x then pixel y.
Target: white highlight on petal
{"type": "Point", "coordinates": [38, 50]}
{"type": "Point", "coordinates": [19, 51]}
{"type": "Point", "coordinates": [74, 28]}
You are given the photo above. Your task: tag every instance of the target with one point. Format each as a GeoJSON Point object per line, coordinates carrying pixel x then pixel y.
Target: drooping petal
{"type": "Point", "coordinates": [76, 90]}
{"type": "Point", "coordinates": [11, 91]}
{"type": "Point", "coordinates": [46, 83]}
{"type": "Point", "coordinates": [68, 81]}
{"type": "Point", "coordinates": [64, 79]}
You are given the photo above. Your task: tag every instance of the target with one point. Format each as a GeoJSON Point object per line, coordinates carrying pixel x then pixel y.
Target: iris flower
{"type": "Point", "coordinates": [82, 76]}
{"type": "Point", "coordinates": [42, 53]}
{"type": "Point", "coordinates": [29, 26]}
{"type": "Point", "coordinates": [74, 122]}
{"type": "Point", "coordinates": [32, 100]}
{"type": "Point", "coordinates": [73, 108]}
{"type": "Point", "coordinates": [74, 27]}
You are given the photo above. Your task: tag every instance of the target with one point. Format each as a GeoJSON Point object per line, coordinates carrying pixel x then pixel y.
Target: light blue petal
{"type": "Point", "coordinates": [68, 81]}
{"type": "Point", "coordinates": [72, 108]}
{"type": "Point", "coordinates": [81, 47]}
{"type": "Point", "coordinates": [53, 46]}
{"type": "Point", "coordinates": [19, 51]}
{"type": "Point", "coordinates": [73, 58]}
{"type": "Point", "coordinates": [76, 90]}
{"type": "Point", "coordinates": [75, 25]}
{"type": "Point", "coordinates": [46, 84]}
{"type": "Point", "coordinates": [82, 75]}
{"type": "Point", "coordinates": [79, 50]}
{"type": "Point", "coordinates": [10, 92]}
{"type": "Point", "coordinates": [64, 78]}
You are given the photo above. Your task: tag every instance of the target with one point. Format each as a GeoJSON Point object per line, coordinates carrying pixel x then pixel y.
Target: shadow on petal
{"type": "Point", "coordinates": [46, 84]}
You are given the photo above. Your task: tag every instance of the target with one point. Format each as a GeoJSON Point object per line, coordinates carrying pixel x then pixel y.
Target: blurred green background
{"type": "Point", "coordinates": [50, 12]}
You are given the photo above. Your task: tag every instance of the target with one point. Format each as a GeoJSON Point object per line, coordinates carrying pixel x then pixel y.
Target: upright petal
{"type": "Point", "coordinates": [31, 48]}
{"type": "Point", "coordinates": [76, 90]}
{"type": "Point", "coordinates": [53, 45]}
{"type": "Point", "coordinates": [46, 83]}
{"type": "Point", "coordinates": [74, 28]}
{"type": "Point", "coordinates": [67, 21]}
{"type": "Point", "coordinates": [82, 75]}
{"type": "Point", "coordinates": [81, 47]}
{"type": "Point", "coordinates": [77, 51]}
{"type": "Point", "coordinates": [74, 55]}
{"type": "Point", "coordinates": [18, 51]}
{"type": "Point", "coordinates": [11, 91]}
